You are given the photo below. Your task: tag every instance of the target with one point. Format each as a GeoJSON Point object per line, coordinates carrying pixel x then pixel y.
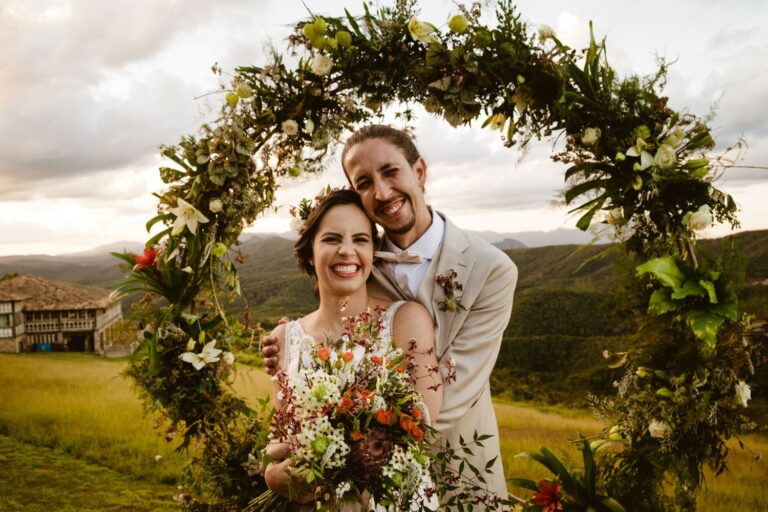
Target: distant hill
{"type": "Point", "coordinates": [564, 314]}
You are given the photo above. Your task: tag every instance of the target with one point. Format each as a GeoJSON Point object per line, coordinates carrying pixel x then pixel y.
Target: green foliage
{"type": "Point", "coordinates": [632, 159]}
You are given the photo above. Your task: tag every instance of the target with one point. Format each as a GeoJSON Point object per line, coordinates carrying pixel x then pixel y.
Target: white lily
{"type": "Point", "coordinates": [638, 150]}
{"type": "Point", "coordinates": [209, 354]}
{"type": "Point", "coordinates": [497, 122]}
{"type": "Point", "coordinates": [521, 101]}
{"type": "Point", "coordinates": [420, 31]}
{"type": "Point", "coordinates": [186, 215]}
{"type": "Point", "coordinates": [743, 393]}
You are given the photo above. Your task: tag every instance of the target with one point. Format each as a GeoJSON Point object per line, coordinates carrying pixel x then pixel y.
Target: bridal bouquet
{"type": "Point", "coordinates": [357, 427]}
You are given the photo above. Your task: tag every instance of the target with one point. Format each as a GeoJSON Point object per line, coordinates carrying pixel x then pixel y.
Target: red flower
{"type": "Point", "coordinates": [147, 260]}
{"type": "Point", "coordinates": [323, 353]}
{"type": "Point", "coordinates": [548, 496]}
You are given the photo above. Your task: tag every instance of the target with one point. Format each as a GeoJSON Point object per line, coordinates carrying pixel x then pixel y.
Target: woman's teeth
{"type": "Point", "coordinates": [344, 269]}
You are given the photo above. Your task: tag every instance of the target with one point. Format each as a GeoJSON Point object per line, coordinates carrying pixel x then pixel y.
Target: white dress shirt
{"type": "Point", "coordinates": [409, 276]}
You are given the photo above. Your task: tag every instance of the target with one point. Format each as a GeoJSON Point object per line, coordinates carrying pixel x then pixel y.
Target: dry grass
{"type": "Point", "coordinates": [81, 404]}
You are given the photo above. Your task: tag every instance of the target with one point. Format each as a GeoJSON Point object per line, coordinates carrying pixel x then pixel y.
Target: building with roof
{"type": "Point", "coordinates": [46, 314]}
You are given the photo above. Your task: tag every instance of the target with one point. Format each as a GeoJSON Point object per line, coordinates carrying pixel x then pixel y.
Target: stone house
{"type": "Point", "coordinates": [46, 314]}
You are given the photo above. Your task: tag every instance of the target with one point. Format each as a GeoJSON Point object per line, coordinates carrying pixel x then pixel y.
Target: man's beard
{"type": "Point", "coordinates": [401, 230]}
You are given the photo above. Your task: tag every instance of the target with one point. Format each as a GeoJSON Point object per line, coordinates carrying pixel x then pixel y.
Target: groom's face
{"type": "Point", "coordinates": [391, 189]}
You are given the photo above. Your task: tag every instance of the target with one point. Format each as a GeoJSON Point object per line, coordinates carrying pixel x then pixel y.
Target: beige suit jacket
{"type": "Point", "coordinates": [471, 337]}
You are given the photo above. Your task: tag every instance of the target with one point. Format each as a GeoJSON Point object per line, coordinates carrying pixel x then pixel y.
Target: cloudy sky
{"type": "Point", "coordinates": [89, 89]}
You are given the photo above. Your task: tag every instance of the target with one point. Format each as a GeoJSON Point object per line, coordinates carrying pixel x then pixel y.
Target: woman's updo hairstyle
{"type": "Point", "coordinates": [302, 249]}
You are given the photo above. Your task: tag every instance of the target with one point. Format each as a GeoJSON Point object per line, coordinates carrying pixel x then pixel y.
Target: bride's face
{"type": "Point", "coordinates": [342, 250]}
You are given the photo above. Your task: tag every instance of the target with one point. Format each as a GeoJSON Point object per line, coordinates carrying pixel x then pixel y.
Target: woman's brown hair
{"type": "Point", "coordinates": [302, 249]}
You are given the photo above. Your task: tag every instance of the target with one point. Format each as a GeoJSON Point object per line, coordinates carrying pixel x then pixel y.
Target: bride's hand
{"type": "Point", "coordinates": [269, 350]}
{"type": "Point", "coordinates": [279, 479]}
{"type": "Point", "coordinates": [278, 452]}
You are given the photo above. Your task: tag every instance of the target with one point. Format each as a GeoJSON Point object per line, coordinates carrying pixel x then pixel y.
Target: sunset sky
{"type": "Point", "coordinates": [89, 89]}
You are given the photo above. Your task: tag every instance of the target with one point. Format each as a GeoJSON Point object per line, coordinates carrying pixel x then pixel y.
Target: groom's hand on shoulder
{"type": "Point", "coordinates": [269, 350]}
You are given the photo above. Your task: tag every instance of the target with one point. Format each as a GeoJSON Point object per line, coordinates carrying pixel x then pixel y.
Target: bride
{"type": "Point", "coordinates": [336, 246]}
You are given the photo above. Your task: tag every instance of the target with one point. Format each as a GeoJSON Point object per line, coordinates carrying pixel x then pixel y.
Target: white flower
{"type": "Point", "coordinates": [658, 429]}
{"type": "Point", "coordinates": [589, 136]}
{"type": "Point", "coordinates": [700, 219]}
{"type": "Point", "coordinates": [665, 156]}
{"type": "Point", "coordinates": [158, 458]}
{"type": "Point", "coordinates": [296, 225]}
{"type": "Point", "coordinates": [521, 101]}
{"type": "Point", "coordinates": [188, 270]}
{"type": "Point", "coordinates": [186, 215]}
{"type": "Point", "coordinates": [743, 393]}
{"type": "Point", "coordinates": [420, 31]}
{"type": "Point", "coordinates": [215, 206]}
{"type": "Point", "coordinates": [290, 127]}
{"type": "Point", "coordinates": [309, 126]}
{"type": "Point", "coordinates": [321, 64]}
{"type": "Point", "coordinates": [545, 32]}
{"type": "Point", "coordinates": [497, 122]}
{"type": "Point", "coordinates": [674, 138]}
{"type": "Point", "coordinates": [615, 217]}
{"type": "Point", "coordinates": [210, 354]}
{"type": "Point", "coordinates": [638, 150]}
{"type": "Point", "coordinates": [229, 358]}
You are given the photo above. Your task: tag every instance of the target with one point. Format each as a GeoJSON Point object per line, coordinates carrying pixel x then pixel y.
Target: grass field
{"type": "Point", "coordinates": [79, 406]}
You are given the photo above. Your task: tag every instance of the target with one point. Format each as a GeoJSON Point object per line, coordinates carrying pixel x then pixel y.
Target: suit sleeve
{"type": "Point", "coordinates": [477, 343]}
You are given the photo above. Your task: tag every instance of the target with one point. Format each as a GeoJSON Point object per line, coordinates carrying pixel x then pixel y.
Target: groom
{"type": "Point", "coordinates": [464, 282]}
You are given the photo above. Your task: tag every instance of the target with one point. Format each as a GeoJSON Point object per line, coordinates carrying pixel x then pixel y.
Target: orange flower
{"type": "Point", "coordinates": [345, 404]}
{"type": "Point", "coordinates": [405, 422]}
{"type": "Point", "coordinates": [416, 432]}
{"type": "Point", "coordinates": [383, 416]}
{"type": "Point", "coordinates": [348, 356]}
{"type": "Point", "coordinates": [416, 413]}
{"type": "Point", "coordinates": [323, 353]}
{"type": "Point", "coordinates": [377, 359]}
{"type": "Point", "coordinates": [356, 436]}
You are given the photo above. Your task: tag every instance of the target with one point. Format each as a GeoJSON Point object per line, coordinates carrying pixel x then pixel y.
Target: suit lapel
{"type": "Point", "coordinates": [451, 256]}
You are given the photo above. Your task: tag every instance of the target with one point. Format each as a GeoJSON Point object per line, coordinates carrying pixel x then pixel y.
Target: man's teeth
{"type": "Point", "coordinates": [345, 268]}
{"type": "Point", "coordinates": [392, 208]}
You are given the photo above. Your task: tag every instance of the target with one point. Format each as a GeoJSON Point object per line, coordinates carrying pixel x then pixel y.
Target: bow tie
{"type": "Point", "coordinates": [398, 257]}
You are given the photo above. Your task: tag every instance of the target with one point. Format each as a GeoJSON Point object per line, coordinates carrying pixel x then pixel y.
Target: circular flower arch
{"type": "Point", "coordinates": [631, 163]}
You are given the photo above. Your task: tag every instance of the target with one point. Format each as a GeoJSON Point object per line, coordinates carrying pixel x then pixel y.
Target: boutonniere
{"type": "Point", "coordinates": [450, 286]}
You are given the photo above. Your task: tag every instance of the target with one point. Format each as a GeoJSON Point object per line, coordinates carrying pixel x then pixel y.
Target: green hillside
{"type": "Point", "coordinates": [564, 315]}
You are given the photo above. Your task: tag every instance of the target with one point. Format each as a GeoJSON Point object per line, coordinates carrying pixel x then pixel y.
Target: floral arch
{"type": "Point", "coordinates": [631, 163]}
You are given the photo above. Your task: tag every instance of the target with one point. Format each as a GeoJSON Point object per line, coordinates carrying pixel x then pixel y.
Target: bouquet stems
{"type": "Point", "coordinates": [268, 501]}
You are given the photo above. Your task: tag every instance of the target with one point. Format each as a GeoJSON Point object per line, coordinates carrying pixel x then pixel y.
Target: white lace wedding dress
{"type": "Point", "coordinates": [298, 343]}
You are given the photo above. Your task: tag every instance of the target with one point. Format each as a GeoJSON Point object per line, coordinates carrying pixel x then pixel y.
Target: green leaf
{"type": "Point", "coordinates": [665, 269]}
{"type": "Point", "coordinates": [524, 483]}
{"type": "Point", "coordinates": [690, 288]}
{"type": "Point", "coordinates": [612, 505]}
{"type": "Point", "coordinates": [586, 219]}
{"type": "Point", "coordinates": [353, 24]}
{"type": "Point", "coordinates": [710, 287]}
{"type": "Point", "coordinates": [157, 218]}
{"type": "Point", "coordinates": [705, 325]}
{"type": "Point", "coordinates": [661, 302]}
{"type": "Point", "coordinates": [442, 84]}
{"type": "Point", "coordinates": [728, 309]}
{"type": "Point", "coordinates": [575, 191]}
